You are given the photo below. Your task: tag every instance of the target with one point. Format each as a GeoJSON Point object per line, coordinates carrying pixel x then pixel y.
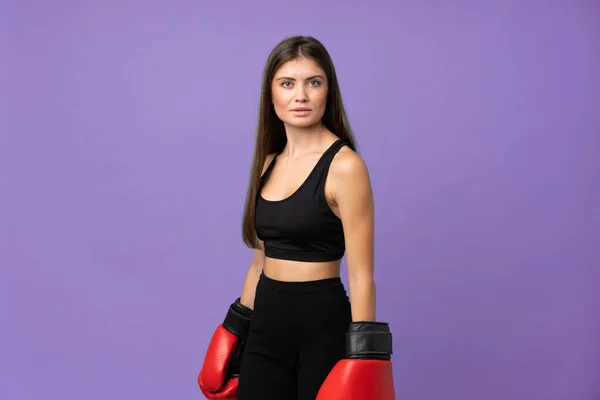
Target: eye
{"type": "Point", "coordinates": [314, 83]}
{"type": "Point", "coordinates": [286, 84]}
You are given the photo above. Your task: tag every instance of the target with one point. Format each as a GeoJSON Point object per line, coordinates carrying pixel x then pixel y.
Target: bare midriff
{"type": "Point", "coordinates": [299, 271]}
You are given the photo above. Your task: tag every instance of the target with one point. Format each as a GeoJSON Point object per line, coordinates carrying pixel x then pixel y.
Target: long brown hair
{"type": "Point", "coordinates": [270, 134]}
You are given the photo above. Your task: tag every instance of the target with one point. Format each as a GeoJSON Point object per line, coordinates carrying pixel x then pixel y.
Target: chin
{"type": "Point", "coordinates": [301, 122]}
{"type": "Point", "coordinates": [306, 124]}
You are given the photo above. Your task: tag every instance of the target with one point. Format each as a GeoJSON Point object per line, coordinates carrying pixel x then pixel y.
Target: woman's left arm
{"type": "Point", "coordinates": [353, 196]}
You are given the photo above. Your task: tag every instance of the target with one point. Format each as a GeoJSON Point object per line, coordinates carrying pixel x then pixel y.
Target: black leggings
{"type": "Point", "coordinates": [296, 336]}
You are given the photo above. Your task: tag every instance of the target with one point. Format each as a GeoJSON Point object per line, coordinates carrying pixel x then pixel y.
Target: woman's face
{"type": "Point", "coordinates": [299, 92]}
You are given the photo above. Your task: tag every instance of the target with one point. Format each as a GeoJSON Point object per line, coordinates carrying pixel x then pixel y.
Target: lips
{"type": "Point", "coordinates": [301, 109]}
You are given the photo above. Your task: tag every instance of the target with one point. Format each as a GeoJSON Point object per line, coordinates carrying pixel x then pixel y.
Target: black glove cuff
{"type": "Point", "coordinates": [237, 320]}
{"type": "Point", "coordinates": [369, 340]}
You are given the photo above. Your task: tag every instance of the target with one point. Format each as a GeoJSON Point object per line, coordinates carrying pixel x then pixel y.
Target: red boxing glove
{"type": "Point", "coordinates": [218, 378]}
{"type": "Point", "coordinates": [366, 371]}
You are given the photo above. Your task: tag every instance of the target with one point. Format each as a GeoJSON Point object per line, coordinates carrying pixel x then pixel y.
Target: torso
{"type": "Point", "coordinates": [285, 179]}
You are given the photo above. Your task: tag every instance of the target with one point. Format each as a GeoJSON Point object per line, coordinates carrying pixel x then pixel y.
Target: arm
{"type": "Point", "coordinates": [366, 369]}
{"type": "Point", "coordinates": [252, 276]}
{"type": "Point", "coordinates": [257, 264]}
{"type": "Point", "coordinates": [354, 198]}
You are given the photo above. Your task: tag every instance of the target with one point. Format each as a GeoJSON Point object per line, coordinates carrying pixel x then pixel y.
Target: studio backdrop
{"type": "Point", "coordinates": [126, 137]}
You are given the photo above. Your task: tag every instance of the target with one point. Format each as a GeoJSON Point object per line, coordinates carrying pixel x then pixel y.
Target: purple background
{"type": "Point", "coordinates": [126, 139]}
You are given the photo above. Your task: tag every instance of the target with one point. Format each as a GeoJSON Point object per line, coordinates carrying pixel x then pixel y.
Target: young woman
{"type": "Point", "coordinates": [294, 333]}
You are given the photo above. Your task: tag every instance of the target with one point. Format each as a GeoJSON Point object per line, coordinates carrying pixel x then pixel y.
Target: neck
{"type": "Point", "coordinates": [304, 140]}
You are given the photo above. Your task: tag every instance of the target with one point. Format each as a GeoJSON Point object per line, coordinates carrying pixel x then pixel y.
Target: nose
{"type": "Point", "coordinates": [301, 94]}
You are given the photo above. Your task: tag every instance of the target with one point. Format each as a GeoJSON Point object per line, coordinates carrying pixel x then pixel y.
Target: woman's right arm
{"type": "Point", "coordinates": [252, 276]}
{"type": "Point", "coordinates": [257, 264]}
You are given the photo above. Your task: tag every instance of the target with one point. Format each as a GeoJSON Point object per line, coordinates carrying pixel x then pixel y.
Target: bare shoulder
{"type": "Point", "coordinates": [347, 167]}
{"type": "Point", "coordinates": [351, 196]}
{"type": "Point", "coordinates": [348, 180]}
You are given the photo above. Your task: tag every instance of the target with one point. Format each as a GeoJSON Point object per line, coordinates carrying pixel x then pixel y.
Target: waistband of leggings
{"type": "Point", "coordinates": [302, 286]}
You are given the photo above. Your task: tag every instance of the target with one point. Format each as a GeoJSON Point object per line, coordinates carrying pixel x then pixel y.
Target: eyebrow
{"type": "Point", "coordinates": [292, 79]}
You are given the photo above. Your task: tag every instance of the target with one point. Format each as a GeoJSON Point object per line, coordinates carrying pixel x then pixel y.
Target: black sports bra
{"type": "Point", "coordinates": [301, 227]}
